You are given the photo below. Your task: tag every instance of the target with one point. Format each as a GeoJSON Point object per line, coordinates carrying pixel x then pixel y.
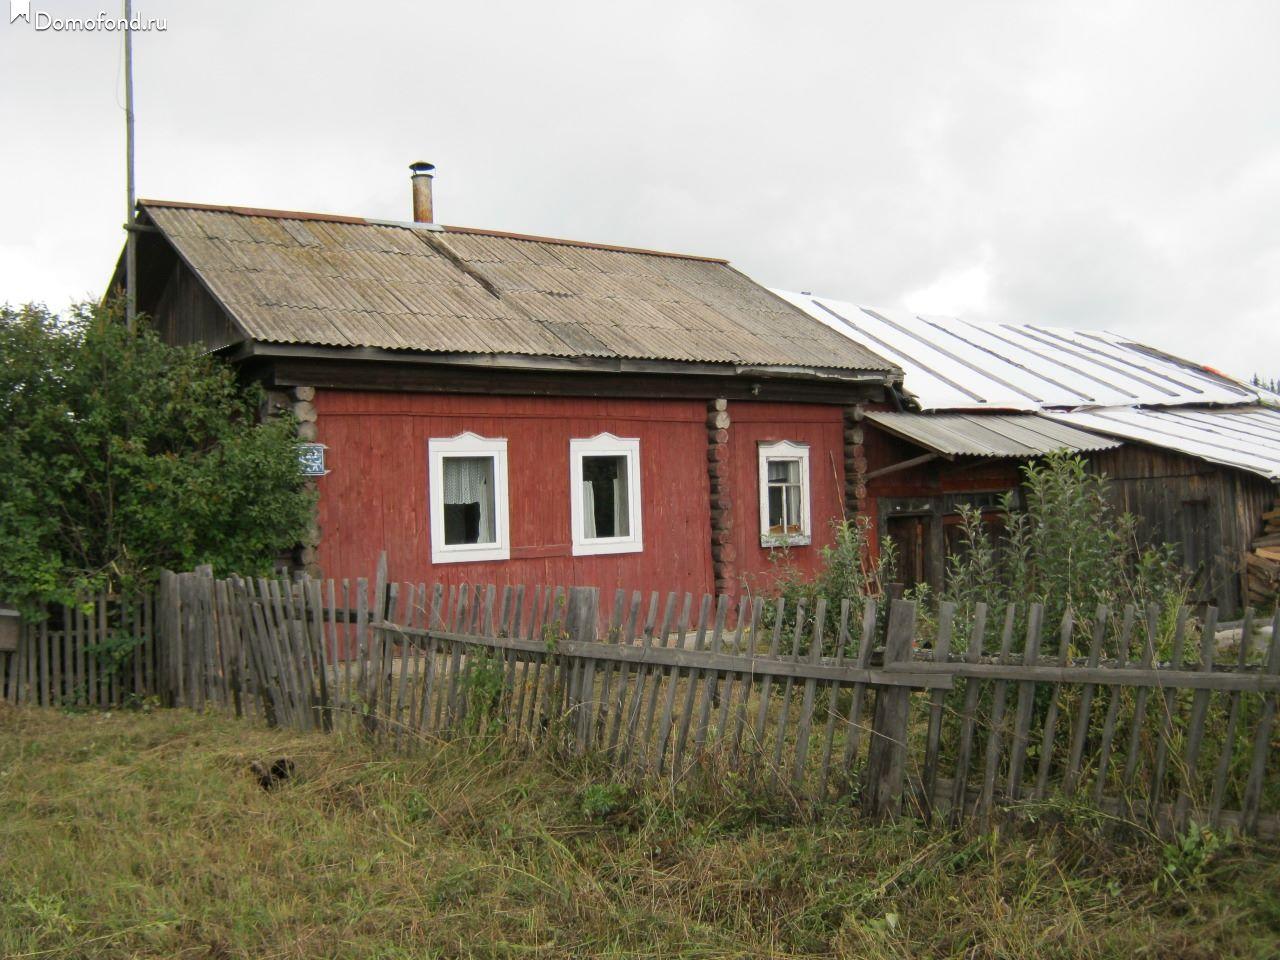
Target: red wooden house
{"type": "Point", "coordinates": [513, 409]}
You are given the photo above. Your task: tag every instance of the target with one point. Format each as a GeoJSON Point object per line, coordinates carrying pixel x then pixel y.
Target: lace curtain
{"type": "Point", "coordinates": [470, 480]}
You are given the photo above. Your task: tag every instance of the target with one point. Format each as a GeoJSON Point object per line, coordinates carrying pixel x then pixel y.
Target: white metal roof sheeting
{"type": "Point", "coordinates": [989, 434]}
{"type": "Point", "coordinates": [1246, 437]}
{"type": "Point", "coordinates": [952, 364]}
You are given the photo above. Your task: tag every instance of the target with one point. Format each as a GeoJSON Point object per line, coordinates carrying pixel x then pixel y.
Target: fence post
{"type": "Point", "coordinates": [886, 757]}
{"type": "Point", "coordinates": [168, 642]}
{"type": "Point", "coordinates": [580, 622]}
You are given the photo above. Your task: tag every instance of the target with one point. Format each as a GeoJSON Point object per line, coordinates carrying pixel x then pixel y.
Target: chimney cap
{"type": "Point", "coordinates": [421, 168]}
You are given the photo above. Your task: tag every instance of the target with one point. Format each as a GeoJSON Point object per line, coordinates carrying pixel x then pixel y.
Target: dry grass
{"type": "Point", "coordinates": [143, 835]}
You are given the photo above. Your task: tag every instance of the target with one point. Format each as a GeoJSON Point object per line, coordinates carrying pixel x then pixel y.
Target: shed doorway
{"type": "Point", "coordinates": [926, 531]}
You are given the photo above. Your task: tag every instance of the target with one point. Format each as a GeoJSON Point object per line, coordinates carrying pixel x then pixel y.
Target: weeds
{"type": "Point", "coordinates": [848, 573]}
{"type": "Point", "coordinates": [1067, 550]}
{"type": "Point", "coordinates": [1185, 861]}
{"type": "Point", "coordinates": [136, 835]}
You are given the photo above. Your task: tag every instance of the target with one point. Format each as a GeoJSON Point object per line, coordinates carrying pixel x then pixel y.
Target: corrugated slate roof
{"type": "Point", "coordinates": [988, 435]}
{"type": "Point", "coordinates": [340, 281]}
{"type": "Point", "coordinates": [1245, 437]}
{"type": "Point", "coordinates": [952, 364]}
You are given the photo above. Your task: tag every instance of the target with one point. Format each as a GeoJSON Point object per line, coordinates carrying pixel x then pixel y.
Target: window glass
{"type": "Point", "coordinates": [606, 508]}
{"type": "Point", "coordinates": [469, 502]}
{"type": "Point", "coordinates": [784, 497]}
{"type": "Point", "coordinates": [605, 495]}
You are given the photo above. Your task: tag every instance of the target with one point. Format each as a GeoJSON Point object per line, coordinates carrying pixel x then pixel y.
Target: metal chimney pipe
{"type": "Point", "coordinates": [421, 178]}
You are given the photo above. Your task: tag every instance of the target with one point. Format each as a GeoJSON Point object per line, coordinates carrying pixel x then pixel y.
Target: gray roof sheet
{"type": "Point", "coordinates": [989, 435]}
{"type": "Point", "coordinates": [1247, 437]}
{"type": "Point", "coordinates": [341, 281]}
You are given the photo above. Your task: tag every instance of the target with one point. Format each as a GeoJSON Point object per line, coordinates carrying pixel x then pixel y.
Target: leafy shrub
{"type": "Point", "coordinates": [122, 455]}
{"type": "Point", "coordinates": [847, 572]}
{"type": "Point", "coordinates": [1067, 549]}
{"type": "Point", "coordinates": [482, 687]}
{"type": "Point", "coordinates": [600, 801]}
{"type": "Point", "coordinates": [1184, 862]}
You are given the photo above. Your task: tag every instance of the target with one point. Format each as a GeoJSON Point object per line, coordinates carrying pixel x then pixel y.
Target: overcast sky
{"type": "Point", "coordinates": [1086, 164]}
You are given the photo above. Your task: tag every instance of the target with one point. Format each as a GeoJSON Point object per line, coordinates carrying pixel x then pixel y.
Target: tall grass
{"type": "Point", "coordinates": [135, 835]}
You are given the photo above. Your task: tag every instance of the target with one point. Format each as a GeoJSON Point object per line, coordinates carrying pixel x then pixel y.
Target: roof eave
{"type": "Point", "coordinates": [253, 349]}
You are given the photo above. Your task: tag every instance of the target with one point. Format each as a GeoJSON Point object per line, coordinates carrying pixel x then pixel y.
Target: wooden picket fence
{"type": "Point", "coordinates": [99, 652]}
{"type": "Point", "coordinates": [958, 715]}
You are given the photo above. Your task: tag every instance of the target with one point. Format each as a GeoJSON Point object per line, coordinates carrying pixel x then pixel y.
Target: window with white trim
{"type": "Point", "coordinates": [604, 495]}
{"type": "Point", "coordinates": [467, 486]}
{"type": "Point", "coordinates": [784, 494]}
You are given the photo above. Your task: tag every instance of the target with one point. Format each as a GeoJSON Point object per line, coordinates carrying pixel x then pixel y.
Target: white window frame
{"type": "Point", "coordinates": [468, 445]}
{"type": "Point", "coordinates": [605, 445]}
{"type": "Point", "coordinates": [784, 450]}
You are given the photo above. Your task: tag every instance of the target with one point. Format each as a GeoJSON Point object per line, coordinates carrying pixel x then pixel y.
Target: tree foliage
{"type": "Point", "coordinates": [1067, 549]}
{"type": "Point", "coordinates": [1064, 546]}
{"type": "Point", "coordinates": [1266, 383]}
{"type": "Point", "coordinates": [122, 455]}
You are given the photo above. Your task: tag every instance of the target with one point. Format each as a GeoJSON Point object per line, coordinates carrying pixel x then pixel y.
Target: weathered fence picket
{"type": "Point", "coordinates": [939, 722]}
{"type": "Point", "coordinates": [81, 655]}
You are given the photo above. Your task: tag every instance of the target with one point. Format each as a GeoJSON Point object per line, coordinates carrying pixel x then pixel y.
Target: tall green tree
{"type": "Point", "coordinates": [120, 455]}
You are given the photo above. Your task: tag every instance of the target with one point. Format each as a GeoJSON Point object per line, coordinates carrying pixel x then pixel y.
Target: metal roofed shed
{"type": "Point", "coordinates": [953, 364]}
{"type": "Point", "coordinates": [1246, 438]}
{"type": "Point", "coordinates": [989, 435]}
{"type": "Point", "coordinates": [1197, 462]}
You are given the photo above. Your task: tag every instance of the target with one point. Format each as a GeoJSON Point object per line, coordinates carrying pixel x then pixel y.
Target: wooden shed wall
{"type": "Point", "coordinates": [184, 313]}
{"type": "Point", "coordinates": [375, 496]}
{"type": "Point", "coordinates": [1212, 513]}
{"type": "Point", "coordinates": [935, 479]}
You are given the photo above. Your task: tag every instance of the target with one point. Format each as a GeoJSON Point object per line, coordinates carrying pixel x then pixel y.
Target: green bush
{"type": "Point", "coordinates": [122, 455]}
{"type": "Point", "coordinates": [847, 573]}
{"type": "Point", "coordinates": [1067, 549]}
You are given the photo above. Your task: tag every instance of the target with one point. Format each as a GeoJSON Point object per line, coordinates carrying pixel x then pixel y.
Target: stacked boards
{"type": "Point", "coordinates": [1262, 563]}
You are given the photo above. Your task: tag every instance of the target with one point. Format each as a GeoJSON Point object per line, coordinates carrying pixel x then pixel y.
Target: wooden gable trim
{"type": "Point", "coordinates": [424, 376]}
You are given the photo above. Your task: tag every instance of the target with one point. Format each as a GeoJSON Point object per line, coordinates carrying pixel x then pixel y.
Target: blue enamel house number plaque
{"type": "Point", "coordinates": [311, 459]}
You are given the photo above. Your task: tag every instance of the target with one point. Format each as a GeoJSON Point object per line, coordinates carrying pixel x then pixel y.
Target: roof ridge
{"type": "Point", "coordinates": [252, 211]}
{"type": "Point", "coordinates": [409, 225]}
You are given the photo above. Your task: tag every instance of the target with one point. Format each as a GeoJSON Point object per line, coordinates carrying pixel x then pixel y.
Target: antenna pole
{"type": "Point", "coordinates": [131, 235]}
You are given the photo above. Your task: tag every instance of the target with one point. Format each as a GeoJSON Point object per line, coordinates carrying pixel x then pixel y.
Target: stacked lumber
{"type": "Point", "coordinates": [1262, 563]}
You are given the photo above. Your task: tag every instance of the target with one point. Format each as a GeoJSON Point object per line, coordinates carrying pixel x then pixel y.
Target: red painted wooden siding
{"type": "Point", "coordinates": [929, 479]}
{"type": "Point", "coordinates": [822, 428]}
{"type": "Point", "coordinates": [375, 496]}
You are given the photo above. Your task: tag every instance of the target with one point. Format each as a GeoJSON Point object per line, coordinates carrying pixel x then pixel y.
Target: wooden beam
{"type": "Point", "coordinates": [677, 657]}
{"type": "Point", "coordinates": [902, 465]}
{"type": "Point", "coordinates": [676, 384]}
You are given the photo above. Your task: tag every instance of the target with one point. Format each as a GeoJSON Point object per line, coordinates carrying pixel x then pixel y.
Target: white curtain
{"type": "Point", "coordinates": [588, 509]}
{"type": "Point", "coordinates": [621, 518]}
{"type": "Point", "coordinates": [470, 480]}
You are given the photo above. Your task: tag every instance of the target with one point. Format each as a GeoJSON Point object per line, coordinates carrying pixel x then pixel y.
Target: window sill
{"type": "Point", "coordinates": [604, 547]}
{"type": "Point", "coordinates": [463, 555]}
{"type": "Point", "coordinates": [782, 540]}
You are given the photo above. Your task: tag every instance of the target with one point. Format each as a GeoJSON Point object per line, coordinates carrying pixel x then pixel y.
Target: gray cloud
{"type": "Point", "coordinates": [1104, 164]}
